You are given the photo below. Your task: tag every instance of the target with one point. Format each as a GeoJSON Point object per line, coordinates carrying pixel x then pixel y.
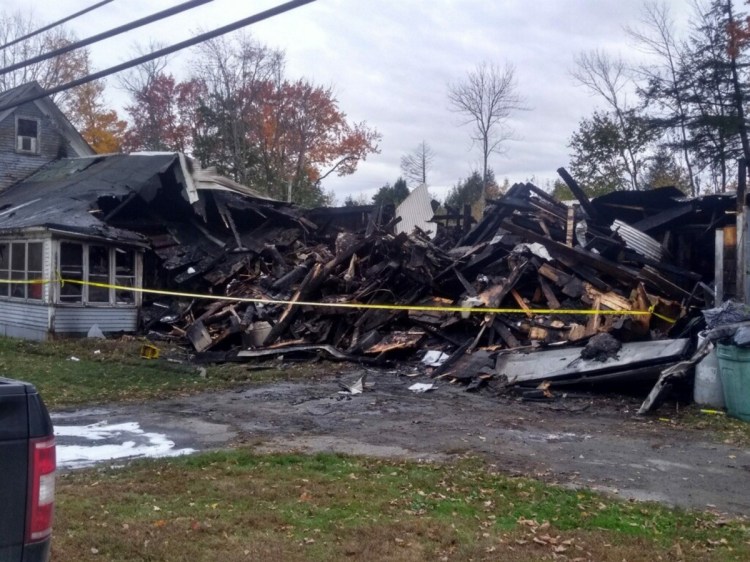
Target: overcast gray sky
{"type": "Point", "coordinates": [390, 61]}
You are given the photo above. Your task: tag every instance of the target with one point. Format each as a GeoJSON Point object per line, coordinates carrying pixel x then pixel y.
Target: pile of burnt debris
{"type": "Point", "coordinates": [562, 268]}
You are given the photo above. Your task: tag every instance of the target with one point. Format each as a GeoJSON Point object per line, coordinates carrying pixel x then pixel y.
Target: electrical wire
{"type": "Point", "coordinates": [266, 14]}
{"type": "Point", "coordinates": [54, 24]}
{"type": "Point", "coordinates": [105, 35]}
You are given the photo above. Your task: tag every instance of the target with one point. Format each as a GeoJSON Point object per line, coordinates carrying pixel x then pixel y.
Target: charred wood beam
{"type": "Point", "coordinates": [470, 290]}
{"type": "Point", "coordinates": [666, 267]}
{"type": "Point", "coordinates": [664, 218]}
{"type": "Point", "coordinates": [579, 193]}
{"type": "Point", "coordinates": [226, 215]}
{"type": "Point", "coordinates": [506, 335]}
{"type": "Point", "coordinates": [291, 310]}
{"type": "Point", "coordinates": [207, 234]}
{"type": "Point", "coordinates": [546, 196]}
{"type": "Point", "coordinates": [487, 226]}
{"type": "Point", "coordinates": [293, 276]}
{"type": "Point", "coordinates": [313, 282]}
{"type": "Point", "coordinates": [599, 263]}
{"type": "Point", "coordinates": [436, 332]}
{"type": "Point", "coordinates": [452, 359]}
{"type": "Point", "coordinates": [587, 274]}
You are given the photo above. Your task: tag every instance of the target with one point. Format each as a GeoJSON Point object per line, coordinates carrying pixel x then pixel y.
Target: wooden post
{"type": "Point", "coordinates": [467, 218]}
{"type": "Point", "coordinates": [719, 267]}
{"type": "Point", "coordinates": [570, 226]}
{"type": "Point", "coordinates": [742, 246]}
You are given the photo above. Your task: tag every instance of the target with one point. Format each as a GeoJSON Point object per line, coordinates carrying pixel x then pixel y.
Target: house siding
{"type": "Point", "coordinates": [52, 145]}
{"type": "Point", "coordinates": [79, 320]}
{"type": "Point", "coordinates": [24, 320]}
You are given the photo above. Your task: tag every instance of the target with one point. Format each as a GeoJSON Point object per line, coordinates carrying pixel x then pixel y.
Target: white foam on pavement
{"type": "Point", "coordinates": [79, 446]}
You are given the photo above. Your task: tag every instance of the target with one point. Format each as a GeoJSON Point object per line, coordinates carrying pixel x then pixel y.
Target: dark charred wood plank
{"type": "Point", "coordinates": [591, 259]}
{"type": "Point", "coordinates": [663, 218]}
{"type": "Point", "coordinates": [578, 193]}
{"type": "Point", "coordinates": [549, 294]}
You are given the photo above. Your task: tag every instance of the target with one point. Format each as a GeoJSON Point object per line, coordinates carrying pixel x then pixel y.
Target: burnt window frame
{"type": "Point", "coordinates": [83, 297]}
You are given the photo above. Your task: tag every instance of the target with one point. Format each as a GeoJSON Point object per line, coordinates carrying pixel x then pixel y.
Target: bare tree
{"type": "Point", "coordinates": [735, 63]}
{"type": "Point", "coordinates": [141, 77]}
{"type": "Point", "coordinates": [487, 97]}
{"type": "Point", "coordinates": [414, 165]}
{"type": "Point", "coordinates": [234, 72]}
{"type": "Point", "coordinates": [48, 73]}
{"type": "Point", "coordinates": [607, 77]}
{"type": "Point", "coordinates": [665, 81]}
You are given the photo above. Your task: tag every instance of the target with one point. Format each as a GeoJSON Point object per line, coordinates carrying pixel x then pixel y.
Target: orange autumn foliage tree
{"type": "Point", "coordinates": [101, 127]}
{"type": "Point", "coordinates": [303, 137]}
{"type": "Point", "coordinates": [163, 115]}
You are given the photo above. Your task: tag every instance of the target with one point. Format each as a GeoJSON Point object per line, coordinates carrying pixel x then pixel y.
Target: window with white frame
{"type": "Point", "coordinates": [27, 135]}
{"type": "Point", "coordinates": [98, 268]}
{"type": "Point", "coordinates": [21, 271]}
{"type": "Point", "coordinates": [124, 275]}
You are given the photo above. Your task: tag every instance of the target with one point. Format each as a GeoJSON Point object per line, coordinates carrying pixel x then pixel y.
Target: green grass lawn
{"type": "Point", "coordinates": [77, 372]}
{"type": "Point", "coordinates": [237, 505]}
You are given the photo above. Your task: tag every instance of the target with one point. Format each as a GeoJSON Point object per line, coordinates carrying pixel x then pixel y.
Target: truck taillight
{"type": "Point", "coordinates": [41, 489]}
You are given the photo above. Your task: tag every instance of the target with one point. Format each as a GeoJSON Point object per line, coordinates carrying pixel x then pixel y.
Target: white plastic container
{"type": "Point", "coordinates": [707, 390]}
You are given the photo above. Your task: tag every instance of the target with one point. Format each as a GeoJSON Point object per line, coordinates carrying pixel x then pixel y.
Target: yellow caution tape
{"type": "Point", "coordinates": [365, 306]}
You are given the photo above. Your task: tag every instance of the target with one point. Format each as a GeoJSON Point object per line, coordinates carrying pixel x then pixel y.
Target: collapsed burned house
{"type": "Point", "coordinates": [636, 265]}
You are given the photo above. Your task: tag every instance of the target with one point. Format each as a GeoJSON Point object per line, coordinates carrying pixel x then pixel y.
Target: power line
{"type": "Point", "coordinates": [280, 9]}
{"type": "Point", "coordinates": [55, 24]}
{"type": "Point", "coordinates": [106, 34]}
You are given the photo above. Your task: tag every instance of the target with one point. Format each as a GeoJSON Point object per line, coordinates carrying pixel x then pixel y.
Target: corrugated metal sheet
{"type": "Point", "coordinates": [638, 241]}
{"type": "Point", "coordinates": [78, 320]}
{"type": "Point", "coordinates": [416, 211]}
{"type": "Point", "coordinates": [24, 320]}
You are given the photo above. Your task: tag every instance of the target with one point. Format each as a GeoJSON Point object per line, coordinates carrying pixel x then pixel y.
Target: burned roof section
{"type": "Point", "coordinates": [99, 195]}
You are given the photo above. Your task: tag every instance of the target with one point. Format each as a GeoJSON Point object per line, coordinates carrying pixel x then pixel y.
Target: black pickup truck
{"type": "Point", "coordinates": [27, 474]}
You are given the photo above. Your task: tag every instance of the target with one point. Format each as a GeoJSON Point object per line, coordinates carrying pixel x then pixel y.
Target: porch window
{"type": "Point", "coordinates": [98, 273]}
{"type": "Point", "coordinates": [71, 268]}
{"type": "Point", "coordinates": [124, 275]}
{"type": "Point", "coordinates": [4, 268]}
{"type": "Point", "coordinates": [99, 265]}
{"type": "Point", "coordinates": [20, 263]}
{"type": "Point", "coordinates": [34, 270]}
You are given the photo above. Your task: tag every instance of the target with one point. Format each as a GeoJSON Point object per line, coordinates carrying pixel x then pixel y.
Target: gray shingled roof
{"type": "Point", "coordinates": [64, 194]}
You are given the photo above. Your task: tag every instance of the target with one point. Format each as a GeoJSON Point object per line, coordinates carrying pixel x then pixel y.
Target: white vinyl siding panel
{"type": "Point", "coordinates": [79, 320]}
{"type": "Point", "coordinates": [24, 320]}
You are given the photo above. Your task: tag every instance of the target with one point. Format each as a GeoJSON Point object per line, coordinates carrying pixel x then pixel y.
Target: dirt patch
{"type": "Point", "coordinates": [577, 441]}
